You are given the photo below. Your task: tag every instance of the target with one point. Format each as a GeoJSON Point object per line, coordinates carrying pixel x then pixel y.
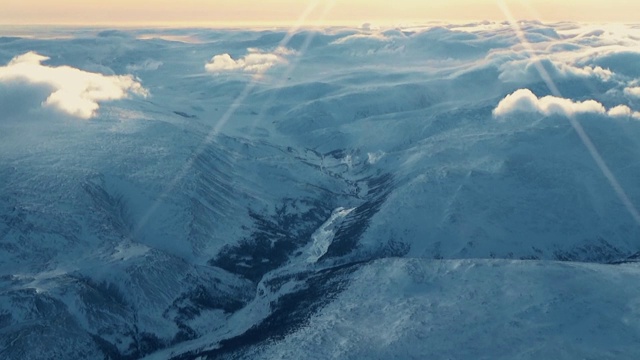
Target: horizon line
{"type": "Point", "coordinates": [282, 24]}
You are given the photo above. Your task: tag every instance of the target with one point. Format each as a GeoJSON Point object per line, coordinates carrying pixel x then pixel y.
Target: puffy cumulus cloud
{"type": "Point", "coordinates": [525, 101]}
{"type": "Point", "coordinates": [623, 111]}
{"type": "Point", "coordinates": [73, 91]}
{"type": "Point", "coordinates": [632, 91]}
{"type": "Point", "coordinates": [620, 111]}
{"type": "Point", "coordinates": [255, 61]}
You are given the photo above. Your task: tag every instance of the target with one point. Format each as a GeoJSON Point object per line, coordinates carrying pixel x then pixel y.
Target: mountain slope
{"type": "Point", "coordinates": [359, 196]}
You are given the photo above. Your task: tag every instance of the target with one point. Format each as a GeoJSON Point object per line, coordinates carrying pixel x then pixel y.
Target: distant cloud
{"type": "Point", "coordinates": [525, 101]}
{"type": "Point", "coordinates": [375, 36]}
{"type": "Point", "coordinates": [623, 111]}
{"type": "Point", "coordinates": [369, 27]}
{"type": "Point", "coordinates": [528, 70]}
{"type": "Point", "coordinates": [73, 91]}
{"type": "Point", "coordinates": [147, 65]}
{"type": "Point", "coordinates": [619, 58]}
{"type": "Point", "coordinates": [255, 61]}
{"type": "Point", "coordinates": [633, 91]}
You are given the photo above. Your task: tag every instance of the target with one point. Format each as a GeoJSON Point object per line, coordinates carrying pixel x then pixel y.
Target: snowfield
{"type": "Point", "coordinates": [445, 192]}
{"type": "Point", "coordinates": [476, 309]}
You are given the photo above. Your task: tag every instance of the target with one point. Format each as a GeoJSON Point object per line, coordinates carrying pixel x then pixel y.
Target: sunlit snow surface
{"type": "Point", "coordinates": [418, 192]}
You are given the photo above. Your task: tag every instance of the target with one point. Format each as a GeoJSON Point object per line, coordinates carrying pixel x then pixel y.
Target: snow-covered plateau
{"type": "Point", "coordinates": [428, 192]}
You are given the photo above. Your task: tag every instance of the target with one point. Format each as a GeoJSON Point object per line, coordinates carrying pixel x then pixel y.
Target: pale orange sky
{"type": "Point", "coordinates": [348, 12]}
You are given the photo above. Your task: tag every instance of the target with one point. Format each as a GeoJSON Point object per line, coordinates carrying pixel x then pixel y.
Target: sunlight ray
{"type": "Point", "coordinates": [221, 123]}
{"type": "Point", "coordinates": [582, 134]}
{"type": "Point", "coordinates": [292, 66]}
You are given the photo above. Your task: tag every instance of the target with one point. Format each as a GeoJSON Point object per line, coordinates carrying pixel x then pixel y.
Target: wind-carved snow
{"type": "Point", "coordinates": [323, 237]}
{"type": "Point", "coordinates": [374, 157]}
{"type": "Point", "coordinates": [126, 251]}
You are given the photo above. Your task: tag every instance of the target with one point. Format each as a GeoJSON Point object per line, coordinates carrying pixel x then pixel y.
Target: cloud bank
{"type": "Point", "coordinates": [528, 70]}
{"type": "Point", "coordinates": [255, 61]}
{"type": "Point", "coordinates": [72, 91]}
{"type": "Point", "coordinates": [525, 101]}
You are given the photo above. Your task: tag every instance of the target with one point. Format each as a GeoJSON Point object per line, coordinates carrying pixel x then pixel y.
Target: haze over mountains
{"type": "Point", "coordinates": [431, 192]}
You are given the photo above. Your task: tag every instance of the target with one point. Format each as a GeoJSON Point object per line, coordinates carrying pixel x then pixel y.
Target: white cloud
{"type": "Point", "coordinates": [623, 111]}
{"type": "Point", "coordinates": [255, 61]}
{"type": "Point", "coordinates": [633, 91]}
{"type": "Point", "coordinates": [369, 27]}
{"type": "Point", "coordinates": [620, 111]}
{"type": "Point", "coordinates": [73, 91]}
{"type": "Point", "coordinates": [529, 70]}
{"type": "Point", "coordinates": [621, 59]}
{"type": "Point", "coordinates": [524, 100]}
{"type": "Point", "coordinates": [376, 37]}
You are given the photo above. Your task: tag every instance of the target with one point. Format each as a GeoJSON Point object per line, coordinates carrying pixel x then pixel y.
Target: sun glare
{"type": "Point", "coordinates": [285, 12]}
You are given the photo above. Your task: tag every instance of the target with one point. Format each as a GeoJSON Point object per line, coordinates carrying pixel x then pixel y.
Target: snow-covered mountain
{"type": "Point", "coordinates": [430, 192]}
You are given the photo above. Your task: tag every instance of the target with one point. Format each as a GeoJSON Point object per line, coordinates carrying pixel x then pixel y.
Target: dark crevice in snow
{"type": "Point", "coordinates": [289, 312]}
{"type": "Point", "coordinates": [357, 222]}
{"type": "Point", "coordinates": [600, 251]}
{"type": "Point", "coordinates": [274, 239]}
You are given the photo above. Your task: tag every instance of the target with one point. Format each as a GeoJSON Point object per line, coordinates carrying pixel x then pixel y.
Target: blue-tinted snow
{"type": "Point", "coordinates": [200, 214]}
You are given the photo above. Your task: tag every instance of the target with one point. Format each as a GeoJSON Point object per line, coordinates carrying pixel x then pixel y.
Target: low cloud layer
{"type": "Point", "coordinates": [255, 61]}
{"type": "Point", "coordinates": [525, 101]}
{"type": "Point", "coordinates": [72, 91]}
{"type": "Point", "coordinates": [529, 70]}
